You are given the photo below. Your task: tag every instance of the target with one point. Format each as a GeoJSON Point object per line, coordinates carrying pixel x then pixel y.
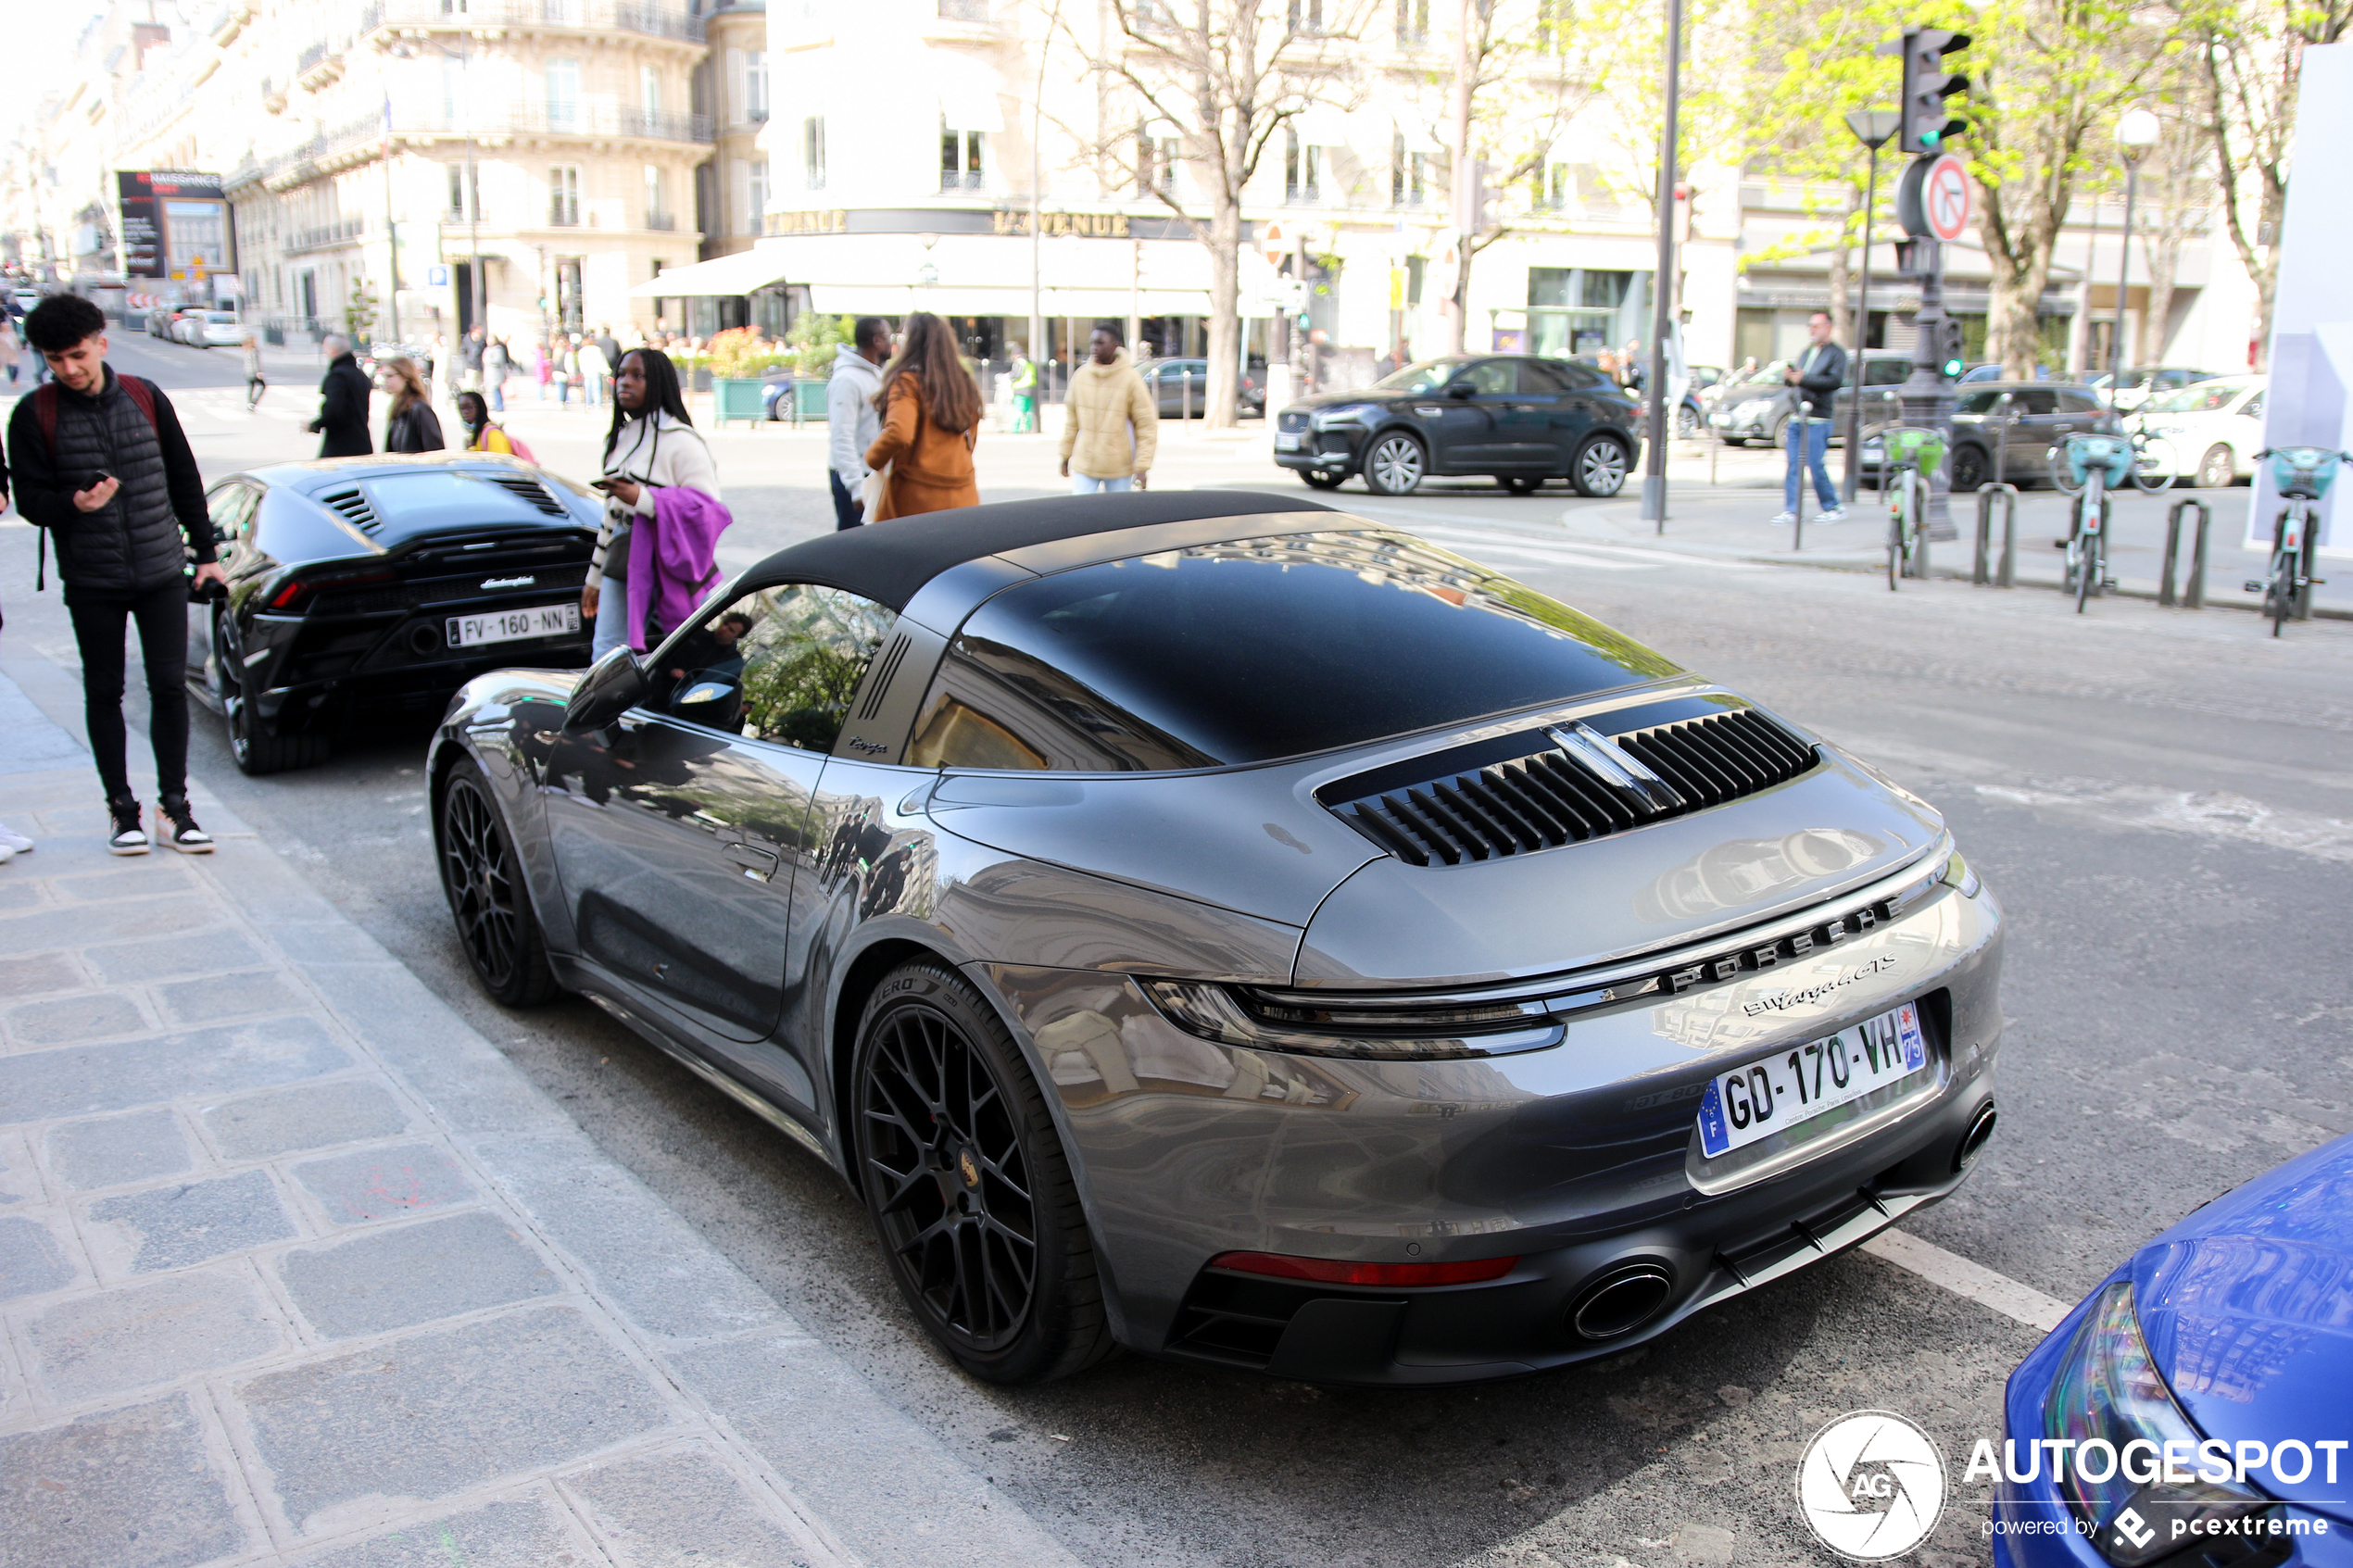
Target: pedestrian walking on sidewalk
{"type": "Point", "coordinates": [470, 351]}
{"type": "Point", "coordinates": [658, 474]}
{"type": "Point", "coordinates": [412, 426]}
{"type": "Point", "coordinates": [931, 417]}
{"type": "Point", "coordinates": [1022, 374]}
{"type": "Point", "coordinates": [497, 366]}
{"type": "Point", "coordinates": [851, 419]}
{"type": "Point", "coordinates": [1111, 429]}
{"type": "Point", "coordinates": [1817, 375]}
{"type": "Point", "coordinates": [595, 371]}
{"type": "Point", "coordinates": [101, 463]}
{"type": "Point", "coordinates": [10, 351]}
{"type": "Point", "coordinates": [255, 385]}
{"type": "Point", "coordinates": [342, 425]}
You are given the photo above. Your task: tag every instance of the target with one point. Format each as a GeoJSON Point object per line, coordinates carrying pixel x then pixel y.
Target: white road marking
{"type": "Point", "coordinates": [1418, 521]}
{"type": "Point", "coordinates": [1962, 1277]}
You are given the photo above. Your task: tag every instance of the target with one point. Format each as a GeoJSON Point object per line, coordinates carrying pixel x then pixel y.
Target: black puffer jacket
{"type": "Point", "coordinates": [132, 544]}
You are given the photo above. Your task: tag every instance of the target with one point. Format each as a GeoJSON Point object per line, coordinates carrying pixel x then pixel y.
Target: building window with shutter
{"type": "Point", "coordinates": [649, 91]}
{"type": "Point", "coordinates": [756, 86]}
{"type": "Point", "coordinates": [1303, 169]}
{"type": "Point", "coordinates": [658, 213]}
{"type": "Point", "coordinates": [756, 196]}
{"type": "Point", "coordinates": [813, 152]}
{"type": "Point", "coordinates": [1413, 23]}
{"type": "Point", "coordinates": [564, 196]}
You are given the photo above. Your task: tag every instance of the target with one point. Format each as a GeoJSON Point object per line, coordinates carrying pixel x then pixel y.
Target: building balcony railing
{"type": "Point", "coordinates": [317, 65]}
{"type": "Point", "coordinates": [963, 10]}
{"type": "Point", "coordinates": [321, 236]}
{"type": "Point", "coordinates": [1297, 194]}
{"type": "Point", "coordinates": [557, 120]}
{"type": "Point", "coordinates": [663, 221]}
{"type": "Point", "coordinates": [970, 180]}
{"type": "Point", "coordinates": [641, 16]}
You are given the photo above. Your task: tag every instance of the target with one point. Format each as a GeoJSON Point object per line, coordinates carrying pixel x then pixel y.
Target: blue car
{"type": "Point", "coordinates": [2224, 1346]}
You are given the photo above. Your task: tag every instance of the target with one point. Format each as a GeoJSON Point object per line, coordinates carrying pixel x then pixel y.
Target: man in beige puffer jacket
{"type": "Point", "coordinates": [1112, 426]}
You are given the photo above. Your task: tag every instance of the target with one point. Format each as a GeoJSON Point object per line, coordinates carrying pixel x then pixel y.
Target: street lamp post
{"type": "Point", "coordinates": [2136, 132]}
{"type": "Point", "coordinates": [1873, 128]}
{"type": "Point", "coordinates": [1662, 291]}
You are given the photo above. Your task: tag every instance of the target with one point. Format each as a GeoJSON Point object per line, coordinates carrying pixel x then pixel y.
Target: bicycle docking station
{"type": "Point", "coordinates": [2193, 591]}
{"type": "Point", "coordinates": [2005, 575]}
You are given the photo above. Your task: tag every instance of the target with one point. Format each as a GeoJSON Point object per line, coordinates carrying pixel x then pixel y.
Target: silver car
{"type": "Point", "coordinates": [1219, 925]}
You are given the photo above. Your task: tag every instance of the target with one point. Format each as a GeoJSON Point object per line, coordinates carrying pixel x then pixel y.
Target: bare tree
{"type": "Point", "coordinates": [2252, 54]}
{"type": "Point", "coordinates": [1512, 93]}
{"type": "Point", "coordinates": [2177, 184]}
{"type": "Point", "coordinates": [1219, 79]}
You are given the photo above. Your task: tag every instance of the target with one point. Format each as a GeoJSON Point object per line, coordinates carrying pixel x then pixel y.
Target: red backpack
{"type": "Point", "coordinates": [45, 412]}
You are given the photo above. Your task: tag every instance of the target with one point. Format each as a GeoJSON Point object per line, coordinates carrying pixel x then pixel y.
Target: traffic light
{"type": "Point", "coordinates": [1952, 361]}
{"type": "Point", "coordinates": [1926, 120]}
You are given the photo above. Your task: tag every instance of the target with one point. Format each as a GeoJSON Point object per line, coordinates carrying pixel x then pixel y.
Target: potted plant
{"type": "Point", "coordinates": [740, 359]}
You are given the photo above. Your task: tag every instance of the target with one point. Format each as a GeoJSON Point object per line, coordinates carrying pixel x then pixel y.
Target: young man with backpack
{"type": "Point", "coordinates": [101, 465]}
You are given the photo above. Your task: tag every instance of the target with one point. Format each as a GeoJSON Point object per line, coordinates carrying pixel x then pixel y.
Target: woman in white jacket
{"type": "Point", "coordinates": [652, 444]}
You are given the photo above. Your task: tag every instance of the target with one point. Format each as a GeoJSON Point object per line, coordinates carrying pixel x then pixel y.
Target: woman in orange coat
{"type": "Point", "coordinates": [931, 416]}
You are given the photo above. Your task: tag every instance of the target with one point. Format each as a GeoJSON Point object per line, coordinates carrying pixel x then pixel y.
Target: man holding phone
{"type": "Point", "coordinates": [101, 462]}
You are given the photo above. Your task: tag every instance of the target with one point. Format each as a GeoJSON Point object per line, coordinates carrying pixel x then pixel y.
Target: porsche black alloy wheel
{"type": "Point", "coordinates": [480, 875]}
{"type": "Point", "coordinates": [968, 1185]}
{"type": "Point", "coordinates": [1969, 469]}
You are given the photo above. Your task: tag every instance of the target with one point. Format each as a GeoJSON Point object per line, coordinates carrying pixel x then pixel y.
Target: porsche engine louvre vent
{"type": "Point", "coordinates": [353, 508]}
{"type": "Point", "coordinates": [879, 687]}
{"type": "Point", "coordinates": [1580, 788]}
{"type": "Point", "coordinates": [530, 490]}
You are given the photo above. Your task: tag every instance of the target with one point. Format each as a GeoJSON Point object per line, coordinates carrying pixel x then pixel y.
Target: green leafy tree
{"type": "Point", "coordinates": [2250, 54]}
{"type": "Point", "coordinates": [2047, 79]}
{"type": "Point", "coordinates": [813, 337]}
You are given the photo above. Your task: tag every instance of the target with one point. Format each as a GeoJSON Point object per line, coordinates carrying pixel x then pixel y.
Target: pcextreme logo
{"type": "Point", "coordinates": [1871, 1486]}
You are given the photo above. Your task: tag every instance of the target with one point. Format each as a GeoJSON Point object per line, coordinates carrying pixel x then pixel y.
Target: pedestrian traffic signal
{"type": "Point", "coordinates": [1949, 350]}
{"type": "Point", "coordinates": [1927, 122]}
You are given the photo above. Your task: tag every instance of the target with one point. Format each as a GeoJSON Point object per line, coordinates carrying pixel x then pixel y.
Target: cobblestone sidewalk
{"type": "Point", "coordinates": [295, 1267]}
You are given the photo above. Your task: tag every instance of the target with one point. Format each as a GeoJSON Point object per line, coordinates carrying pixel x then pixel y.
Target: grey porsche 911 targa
{"type": "Point", "coordinates": [1219, 925]}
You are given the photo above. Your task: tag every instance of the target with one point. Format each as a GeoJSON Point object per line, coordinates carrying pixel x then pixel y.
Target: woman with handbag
{"type": "Point", "coordinates": [931, 417]}
{"type": "Point", "coordinates": [412, 426]}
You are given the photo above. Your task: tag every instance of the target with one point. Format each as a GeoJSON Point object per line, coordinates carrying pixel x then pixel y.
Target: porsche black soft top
{"type": "Point", "coordinates": [887, 562]}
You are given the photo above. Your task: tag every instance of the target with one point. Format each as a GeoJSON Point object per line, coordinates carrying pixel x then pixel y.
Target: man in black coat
{"type": "Point", "coordinates": [104, 466]}
{"type": "Point", "coordinates": [342, 425]}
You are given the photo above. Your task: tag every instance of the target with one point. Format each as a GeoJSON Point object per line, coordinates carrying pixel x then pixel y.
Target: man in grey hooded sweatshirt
{"type": "Point", "coordinates": [851, 419]}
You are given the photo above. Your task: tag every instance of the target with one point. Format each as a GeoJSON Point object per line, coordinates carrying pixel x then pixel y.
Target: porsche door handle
{"type": "Point", "coordinates": [759, 864]}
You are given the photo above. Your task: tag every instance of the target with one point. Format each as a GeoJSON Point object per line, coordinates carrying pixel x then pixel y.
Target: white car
{"type": "Point", "coordinates": [216, 329]}
{"type": "Point", "coordinates": [2206, 433]}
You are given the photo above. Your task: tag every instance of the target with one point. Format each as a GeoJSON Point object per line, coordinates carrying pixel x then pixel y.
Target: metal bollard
{"type": "Point", "coordinates": [2007, 576]}
{"type": "Point", "coordinates": [2193, 596]}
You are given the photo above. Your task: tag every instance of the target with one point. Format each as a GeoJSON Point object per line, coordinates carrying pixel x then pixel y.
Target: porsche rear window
{"type": "Point", "coordinates": [1248, 651]}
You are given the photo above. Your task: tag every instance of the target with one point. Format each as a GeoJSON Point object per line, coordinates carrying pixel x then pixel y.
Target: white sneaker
{"type": "Point", "coordinates": [1836, 514]}
{"type": "Point", "coordinates": [128, 838]}
{"type": "Point", "coordinates": [6, 854]}
{"type": "Point", "coordinates": [14, 842]}
{"type": "Point", "coordinates": [1783, 519]}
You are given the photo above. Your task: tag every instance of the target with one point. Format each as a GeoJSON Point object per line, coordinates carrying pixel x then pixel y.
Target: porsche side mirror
{"type": "Point", "coordinates": [613, 686]}
{"type": "Point", "coordinates": [1461, 389]}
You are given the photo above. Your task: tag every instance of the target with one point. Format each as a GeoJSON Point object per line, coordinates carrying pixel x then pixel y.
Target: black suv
{"type": "Point", "coordinates": [1521, 418]}
{"type": "Point", "coordinates": [2011, 441]}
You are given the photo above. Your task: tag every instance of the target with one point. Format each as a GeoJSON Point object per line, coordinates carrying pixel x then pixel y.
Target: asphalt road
{"type": "Point", "coordinates": [2160, 800]}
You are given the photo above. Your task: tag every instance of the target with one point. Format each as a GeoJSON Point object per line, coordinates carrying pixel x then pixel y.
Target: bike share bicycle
{"type": "Point", "coordinates": [2088, 465]}
{"type": "Point", "coordinates": [1909, 454]}
{"type": "Point", "coordinates": [2301, 475]}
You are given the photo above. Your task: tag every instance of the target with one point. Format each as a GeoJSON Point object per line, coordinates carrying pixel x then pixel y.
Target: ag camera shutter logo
{"type": "Point", "coordinates": [1871, 1486]}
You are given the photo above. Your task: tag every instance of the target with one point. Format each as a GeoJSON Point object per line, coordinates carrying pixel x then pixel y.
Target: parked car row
{"type": "Point", "coordinates": [2207, 433]}
{"type": "Point", "coordinates": [196, 326]}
